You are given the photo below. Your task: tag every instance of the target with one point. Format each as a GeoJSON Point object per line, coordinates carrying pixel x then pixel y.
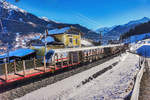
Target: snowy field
{"type": "Point", "coordinates": [116, 83]}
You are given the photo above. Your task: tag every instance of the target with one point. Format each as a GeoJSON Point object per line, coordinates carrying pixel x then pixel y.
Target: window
{"type": "Point", "coordinates": [70, 40]}
{"type": "Point", "coordinates": [76, 41]}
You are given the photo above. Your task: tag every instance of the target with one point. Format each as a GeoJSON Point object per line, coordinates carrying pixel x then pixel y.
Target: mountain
{"type": "Point", "coordinates": [15, 20]}
{"type": "Point", "coordinates": [121, 29]}
{"type": "Point", "coordinates": [138, 30]}
{"type": "Point", "coordinates": [105, 30]}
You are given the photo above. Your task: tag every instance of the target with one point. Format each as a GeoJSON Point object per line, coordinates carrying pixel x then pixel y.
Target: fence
{"type": "Point", "coordinates": [17, 67]}
{"type": "Point", "coordinates": [135, 93]}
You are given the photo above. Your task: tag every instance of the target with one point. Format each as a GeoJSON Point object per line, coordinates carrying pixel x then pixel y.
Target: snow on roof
{"type": "Point", "coordinates": [18, 53]}
{"type": "Point", "coordinates": [22, 52]}
{"type": "Point", "coordinates": [2, 56]}
{"type": "Point", "coordinates": [36, 37]}
{"type": "Point", "coordinates": [48, 39]}
{"type": "Point", "coordinates": [58, 31]}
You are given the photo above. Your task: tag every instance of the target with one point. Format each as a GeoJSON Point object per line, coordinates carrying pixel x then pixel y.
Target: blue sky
{"type": "Point", "coordinates": [90, 13]}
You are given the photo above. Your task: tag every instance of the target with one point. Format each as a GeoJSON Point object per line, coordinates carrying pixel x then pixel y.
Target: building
{"type": "Point", "coordinates": [19, 54]}
{"type": "Point", "coordinates": [65, 37]}
{"type": "Point", "coordinates": [68, 36]}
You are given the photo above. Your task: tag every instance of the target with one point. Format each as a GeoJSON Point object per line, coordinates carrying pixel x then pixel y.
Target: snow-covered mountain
{"type": "Point", "coordinates": [15, 20]}
{"type": "Point", "coordinates": [143, 20]}
{"type": "Point", "coordinates": [115, 32]}
{"type": "Point", "coordinates": [104, 30]}
{"type": "Point", "coordinates": [10, 7]}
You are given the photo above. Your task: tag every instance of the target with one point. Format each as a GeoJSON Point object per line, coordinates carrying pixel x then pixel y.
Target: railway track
{"type": "Point", "coordinates": [20, 88]}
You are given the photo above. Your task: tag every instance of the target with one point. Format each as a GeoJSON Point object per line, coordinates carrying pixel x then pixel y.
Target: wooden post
{"type": "Point", "coordinates": [6, 72]}
{"type": "Point", "coordinates": [94, 58]}
{"type": "Point", "coordinates": [61, 60]}
{"type": "Point", "coordinates": [24, 68]}
{"type": "Point", "coordinates": [34, 63]}
{"type": "Point", "coordinates": [98, 54]}
{"type": "Point", "coordinates": [15, 70]}
{"type": "Point", "coordinates": [44, 64]}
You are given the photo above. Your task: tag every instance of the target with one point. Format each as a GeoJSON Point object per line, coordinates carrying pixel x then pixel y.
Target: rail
{"type": "Point", "coordinates": [135, 92]}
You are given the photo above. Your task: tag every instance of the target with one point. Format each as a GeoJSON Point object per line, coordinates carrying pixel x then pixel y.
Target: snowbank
{"type": "Point", "coordinates": [136, 38]}
{"type": "Point", "coordinates": [142, 48]}
{"type": "Point", "coordinates": [116, 83]}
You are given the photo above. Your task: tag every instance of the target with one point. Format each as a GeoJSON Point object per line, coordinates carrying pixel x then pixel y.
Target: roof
{"type": "Point", "coordinates": [85, 48]}
{"type": "Point", "coordinates": [55, 43]}
{"type": "Point", "coordinates": [58, 31]}
{"type": "Point", "coordinates": [18, 53]}
{"type": "Point", "coordinates": [48, 39]}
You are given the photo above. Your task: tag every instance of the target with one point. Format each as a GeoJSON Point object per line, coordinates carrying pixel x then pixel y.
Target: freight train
{"type": "Point", "coordinates": [56, 59]}
{"type": "Point", "coordinates": [56, 56]}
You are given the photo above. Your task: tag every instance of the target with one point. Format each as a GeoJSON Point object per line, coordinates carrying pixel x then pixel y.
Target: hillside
{"type": "Point", "coordinates": [15, 20]}
{"type": "Point", "coordinates": [140, 29]}
{"type": "Point", "coordinates": [115, 32]}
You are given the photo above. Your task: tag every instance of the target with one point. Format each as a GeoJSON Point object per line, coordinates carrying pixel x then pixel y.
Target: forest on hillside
{"type": "Point", "coordinates": [140, 29]}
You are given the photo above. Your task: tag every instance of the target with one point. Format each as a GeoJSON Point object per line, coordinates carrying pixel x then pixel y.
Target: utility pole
{"type": "Point", "coordinates": [46, 33]}
{"type": "Point", "coordinates": [45, 44]}
{"type": "Point", "coordinates": [8, 52]}
{"type": "Point", "coordinates": [100, 38]}
{"type": "Point", "coordinates": [1, 25]}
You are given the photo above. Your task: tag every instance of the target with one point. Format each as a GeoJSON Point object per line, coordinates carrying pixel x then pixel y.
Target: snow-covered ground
{"type": "Point", "coordinates": [113, 84]}
{"type": "Point", "coordinates": [86, 42]}
{"type": "Point", "coordinates": [141, 47]}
